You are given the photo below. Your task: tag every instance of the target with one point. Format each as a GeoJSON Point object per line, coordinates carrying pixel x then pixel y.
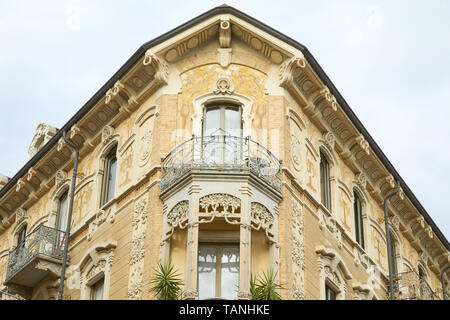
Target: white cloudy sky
{"type": "Point", "coordinates": [389, 59]}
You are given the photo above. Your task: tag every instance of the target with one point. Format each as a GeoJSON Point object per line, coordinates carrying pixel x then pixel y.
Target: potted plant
{"type": "Point", "coordinates": [166, 282]}
{"type": "Point", "coordinates": [265, 288]}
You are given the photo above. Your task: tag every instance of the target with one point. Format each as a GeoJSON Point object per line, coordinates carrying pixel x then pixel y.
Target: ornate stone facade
{"type": "Point", "coordinates": [259, 191]}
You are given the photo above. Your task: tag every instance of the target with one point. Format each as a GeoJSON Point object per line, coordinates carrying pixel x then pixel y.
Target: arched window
{"type": "Point", "coordinates": [222, 119]}
{"type": "Point", "coordinates": [359, 227]}
{"type": "Point", "coordinates": [61, 218]}
{"type": "Point", "coordinates": [325, 188]}
{"type": "Point", "coordinates": [109, 177]}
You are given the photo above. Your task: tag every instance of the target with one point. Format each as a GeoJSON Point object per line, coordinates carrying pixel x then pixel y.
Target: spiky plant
{"type": "Point", "coordinates": [166, 282]}
{"type": "Point", "coordinates": [265, 288]}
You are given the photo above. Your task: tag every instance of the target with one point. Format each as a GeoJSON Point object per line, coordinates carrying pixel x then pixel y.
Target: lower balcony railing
{"type": "Point", "coordinates": [34, 258]}
{"type": "Point", "coordinates": [410, 286]}
{"type": "Point", "coordinates": [223, 153]}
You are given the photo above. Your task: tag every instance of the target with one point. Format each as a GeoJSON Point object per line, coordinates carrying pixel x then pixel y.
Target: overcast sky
{"type": "Point", "coordinates": [389, 59]}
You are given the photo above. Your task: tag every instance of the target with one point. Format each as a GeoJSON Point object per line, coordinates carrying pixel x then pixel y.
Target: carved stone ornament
{"type": "Point", "coordinates": [223, 86]}
{"type": "Point", "coordinates": [178, 216]}
{"type": "Point", "coordinates": [331, 100]}
{"type": "Point", "coordinates": [44, 133]}
{"type": "Point", "coordinates": [20, 215]}
{"type": "Point", "coordinates": [107, 133]}
{"type": "Point", "coordinates": [329, 140]}
{"type": "Point", "coordinates": [160, 67]}
{"type": "Point", "coordinates": [390, 180]}
{"type": "Point", "coordinates": [225, 33]}
{"type": "Point", "coordinates": [20, 184]}
{"type": "Point", "coordinates": [363, 144]}
{"type": "Point", "coordinates": [297, 252]}
{"type": "Point", "coordinates": [145, 147]}
{"type": "Point", "coordinates": [261, 217]}
{"type": "Point", "coordinates": [60, 177]}
{"type": "Point", "coordinates": [100, 218]}
{"type": "Point", "coordinates": [113, 91]}
{"type": "Point", "coordinates": [296, 152]}
{"type": "Point", "coordinates": [289, 69]}
{"type": "Point", "coordinates": [361, 180]}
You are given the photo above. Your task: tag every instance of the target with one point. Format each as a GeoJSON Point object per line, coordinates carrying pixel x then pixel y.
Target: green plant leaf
{"type": "Point", "coordinates": [166, 283]}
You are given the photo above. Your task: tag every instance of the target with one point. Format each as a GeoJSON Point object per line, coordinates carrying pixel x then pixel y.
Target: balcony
{"type": "Point", "coordinates": [219, 154]}
{"type": "Point", "coordinates": [39, 255]}
{"type": "Point", "coordinates": [410, 286]}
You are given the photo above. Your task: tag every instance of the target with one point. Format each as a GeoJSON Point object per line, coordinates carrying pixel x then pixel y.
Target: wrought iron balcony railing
{"type": "Point", "coordinates": [223, 153]}
{"type": "Point", "coordinates": [44, 241]}
{"type": "Point", "coordinates": [410, 286]}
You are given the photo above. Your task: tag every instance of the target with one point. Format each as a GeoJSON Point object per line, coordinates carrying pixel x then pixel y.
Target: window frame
{"type": "Point", "coordinates": [105, 196]}
{"type": "Point", "coordinates": [222, 106]}
{"type": "Point", "coordinates": [358, 220]}
{"type": "Point", "coordinates": [330, 289]}
{"type": "Point", "coordinates": [93, 287]}
{"type": "Point", "coordinates": [325, 182]}
{"type": "Point", "coordinates": [218, 279]}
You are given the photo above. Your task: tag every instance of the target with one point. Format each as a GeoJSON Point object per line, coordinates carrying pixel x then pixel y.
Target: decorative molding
{"type": "Point", "coordinates": [100, 217]}
{"type": "Point", "coordinates": [20, 215]}
{"type": "Point", "coordinates": [114, 91]}
{"type": "Point", "coordinates": [361, 180]}
{"type": "Point", "coordinates": [329, 98]}
{"type": "Point", "coordinates": [330, 223]}
{"type": "Point", "coordinates": [297, 252]}
{"type": "Point", "coordinates": [60, 178]}
{"type": "Point", "coordinates": [330, 140]}
{"type": "Point", "coordinates": [160, 67]}
{"type": "Point", "coordinates": [225, 33]}
{"type": "Point", "coordinates": [44, 133]}
{"type": "Point", "coordinates": [223, 85]}
{"type": "Point", "coordinates": [107, 134]}
{"type": "Point", "coordinates": [261, 217]}
{"type": "Point", "coordinates": [137, 251]}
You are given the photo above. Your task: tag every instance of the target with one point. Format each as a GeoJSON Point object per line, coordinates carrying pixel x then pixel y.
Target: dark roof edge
{"type": "Point", "coordinates": [222, 10]}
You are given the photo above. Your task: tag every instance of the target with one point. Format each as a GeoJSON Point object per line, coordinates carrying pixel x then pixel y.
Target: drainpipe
{"type": "Point", "coordinates": [388, 241]}
{"type": "Point", "coordinates": [69, 218]}
{"type": "Point", "coordinates": [443, 283]}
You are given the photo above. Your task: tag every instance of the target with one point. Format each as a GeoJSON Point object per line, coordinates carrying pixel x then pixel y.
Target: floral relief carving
{"type": "Point", "coordinates": [146, 147]}
{"type": "Point", "coordinates": [297, 252]}
{"type": "Point", "coordinates": [100, 218]}
{"type": "Point", "coordinates": [261, 217]}
{"type": "Point", "coordinates": [137, 251]}
{"type": "Point", "coordinates": [60, 177]}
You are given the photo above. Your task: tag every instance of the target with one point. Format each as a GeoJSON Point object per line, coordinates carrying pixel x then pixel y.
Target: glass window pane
{"type": "Point", "coordinates": [230, 272]}
{"type": "Point", "coordinates": [62, 214]}
{"type": "Point", "coordinates": [212, 121]}
{"type": "Point", "coordinates": [97, 290]}
{"type": "Point", "coordinates": [232, 122]}
{"type": "Point", "coordinates": [207, 259]}
{"type": "Point", "coordinates": [111, 179]}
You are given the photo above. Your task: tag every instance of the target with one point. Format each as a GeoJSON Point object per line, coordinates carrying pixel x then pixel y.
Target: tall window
{"type": "Point", "coordinates": [330, 294]}
{"type": "Point", "coordinates": [109, 177]}
{"type": "Point", "coordinates": [62, 216]}
{"type": "Point", "coordinates": [21, 237]}
{"type": "Point", "coordinates": [325, 188]}
{"type": "Point", "coordinates": [359, 228]}
{"type": "Point", "coordinates": [218, 271]}
{"type": "Point", "coordinates": [97, 290]}
{"type": "Point", "coordinates": [222, 119]}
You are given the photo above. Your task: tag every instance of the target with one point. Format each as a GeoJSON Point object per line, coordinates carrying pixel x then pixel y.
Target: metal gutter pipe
{"type": "Point", "coordinates": [69, 218]}
{"type": "Point", "coordinates": [388, 241]}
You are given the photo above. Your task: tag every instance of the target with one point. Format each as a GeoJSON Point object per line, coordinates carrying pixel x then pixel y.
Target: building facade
{"type": "Point", "coordinates": [223, 148]}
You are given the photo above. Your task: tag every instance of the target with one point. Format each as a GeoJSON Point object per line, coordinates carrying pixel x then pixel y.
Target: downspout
{"type": "Point", "coordinates": [69, 219]}
{"type": "Point", "coordinates": [388, 241]}
{"type": "Point", "coordinates": [443, 283]}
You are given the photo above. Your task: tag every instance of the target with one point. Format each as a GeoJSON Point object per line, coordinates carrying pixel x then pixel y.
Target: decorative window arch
{"type": "Point", "coordinates": [332, 272]}
{"type": "Point", "coordinates": [63, 186]}
{"type": "Point", "coordinates": [326, 171]}
{"type": "Point", "coordinates": [110, 144]}
{"type": "Point", "coordinates": [358, 214]}
{"type": "Point", "coordinates": [223, 92]}
{"type": "Point", "coordinates": [96, 265]}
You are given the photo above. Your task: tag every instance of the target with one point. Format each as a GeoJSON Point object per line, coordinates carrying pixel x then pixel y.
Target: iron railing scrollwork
{"type": "Point", "coordinates": [221, 152]}
{"type": "Point", "coordinates": [410, 286]}
{"type": "Point", "coordinates": [44, 241]}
